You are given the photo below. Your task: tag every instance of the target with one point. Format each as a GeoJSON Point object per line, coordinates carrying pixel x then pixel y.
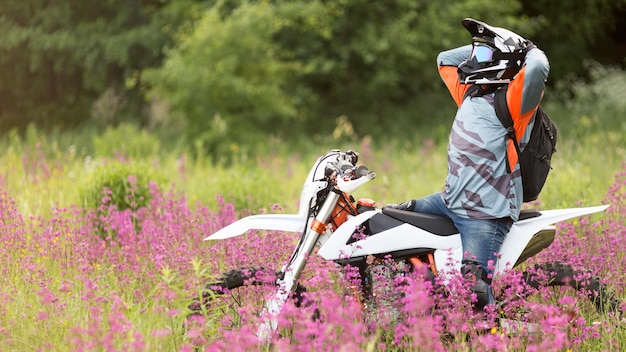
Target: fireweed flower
{"type": "Point", "coordinates": [107, 292]}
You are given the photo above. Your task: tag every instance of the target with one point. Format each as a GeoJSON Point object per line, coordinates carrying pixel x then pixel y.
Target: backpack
{"type": "Point", "coordinates": [535, 159]}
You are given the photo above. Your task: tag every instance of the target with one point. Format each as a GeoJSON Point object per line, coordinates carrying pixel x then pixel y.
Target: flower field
{"type": "Point", "coordinates": [76, 278]}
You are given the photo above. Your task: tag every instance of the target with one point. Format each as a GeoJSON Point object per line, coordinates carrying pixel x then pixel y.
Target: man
{"type": "Point", "coordinates": [483, 189]}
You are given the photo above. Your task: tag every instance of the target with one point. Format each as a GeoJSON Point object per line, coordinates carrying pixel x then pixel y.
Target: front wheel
{"type": "Point", "coordinates": [575, 293]}
{"type": "Point", "coordinates": [225, 303]}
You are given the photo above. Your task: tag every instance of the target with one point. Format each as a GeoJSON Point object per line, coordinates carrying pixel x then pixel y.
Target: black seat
{"type": "Point", "coordinates": [528, 213]}
{"type": "Point", "coordinates": [438, 225]}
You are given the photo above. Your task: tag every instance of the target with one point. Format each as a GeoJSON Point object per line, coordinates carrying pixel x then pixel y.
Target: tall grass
{"type": "Point", "coordinates": [42, 175]}
{"type": "Point", "coordinates": [65, 288]}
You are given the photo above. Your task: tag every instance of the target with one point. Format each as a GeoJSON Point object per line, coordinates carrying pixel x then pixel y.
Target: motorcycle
{"type": "Point", "coordinates": [352, 232]}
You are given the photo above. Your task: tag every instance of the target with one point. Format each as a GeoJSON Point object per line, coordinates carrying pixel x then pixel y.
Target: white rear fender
{"type": "Point", "coordinates": [522, 231]}
{"type": "Point", "coordinates": [279, 222]}
{"type": "Point", "coordinates": [550, 217]}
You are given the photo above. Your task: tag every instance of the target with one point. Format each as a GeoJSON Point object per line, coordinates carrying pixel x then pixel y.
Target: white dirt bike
{"type": "Point", "coordinates": [329, 219]}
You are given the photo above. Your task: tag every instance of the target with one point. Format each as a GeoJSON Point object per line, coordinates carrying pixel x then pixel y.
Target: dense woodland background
{"type": "Point", "coordinates": [214, 74]}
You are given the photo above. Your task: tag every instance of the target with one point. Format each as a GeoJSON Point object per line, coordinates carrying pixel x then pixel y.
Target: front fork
{"type": "Point", "coordinates": [294, 267]}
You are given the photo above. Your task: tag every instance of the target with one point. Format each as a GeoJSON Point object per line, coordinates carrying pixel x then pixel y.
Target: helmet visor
{"type": "Point", "coordinates": [482, 53]}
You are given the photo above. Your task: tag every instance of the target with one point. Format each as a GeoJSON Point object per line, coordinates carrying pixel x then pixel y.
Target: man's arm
{"type": "Point", "coordinates": [448, 62]}
{"type": "Point", "coordinates": [526, 90]}
{"type": "Point", "coordinates": [525, 93]}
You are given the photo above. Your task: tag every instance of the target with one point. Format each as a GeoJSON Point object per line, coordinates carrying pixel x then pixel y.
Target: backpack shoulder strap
{"type": "Point", "coordinates": [476, 90]}
{"type": "Point", "coordinates": [504, 115]}
{"type": "Point", "coordinates": [471, 91]}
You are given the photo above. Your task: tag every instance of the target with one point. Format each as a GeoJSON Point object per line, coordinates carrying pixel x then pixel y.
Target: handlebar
{"type": "Point", "coordinates": [361, 175]}
{"type": "Point", "coordinates": [348, 175]}
{"type": "Point", "coordinates": [345, 163]}
{"type": "Point", "coordinates": [361, 170]}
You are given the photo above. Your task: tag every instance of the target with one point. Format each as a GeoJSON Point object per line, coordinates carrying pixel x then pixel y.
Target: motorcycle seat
{"type": "Point", "coordinates": [436, 224]}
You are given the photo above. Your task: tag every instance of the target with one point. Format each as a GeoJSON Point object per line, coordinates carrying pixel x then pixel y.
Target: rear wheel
{"type": "Point", "coordinates": [556, 289]}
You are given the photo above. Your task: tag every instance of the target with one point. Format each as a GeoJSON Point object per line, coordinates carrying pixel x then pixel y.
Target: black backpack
{"type": "Point", "coordinates": [535, 159]}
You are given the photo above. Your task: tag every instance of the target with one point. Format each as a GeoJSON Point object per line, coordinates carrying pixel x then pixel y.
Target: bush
{"type": "Point", "coordinates": [115, 187]}
{"type": "Point", "coordinates": [121, 185]}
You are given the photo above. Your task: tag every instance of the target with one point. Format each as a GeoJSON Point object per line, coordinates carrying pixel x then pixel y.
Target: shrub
{"type": "Point", "coordinates": [118, 187]}
{"type": "Point", "coordinates": [125, 186]}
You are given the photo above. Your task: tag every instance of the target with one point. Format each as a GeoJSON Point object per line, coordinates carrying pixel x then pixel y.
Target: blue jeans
{"type": "Point", "coordinates": [481, 238]}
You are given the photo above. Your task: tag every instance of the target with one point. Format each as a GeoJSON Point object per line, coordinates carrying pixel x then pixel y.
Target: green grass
{"type": "Point", "coordinates": [45, 175]}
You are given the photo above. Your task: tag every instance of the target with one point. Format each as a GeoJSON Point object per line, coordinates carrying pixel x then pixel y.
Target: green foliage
{"type": "Point", "coordinates": [598, 109]}
{"type": "Point", "coordinates": [122, 185]}
{"type": "Point", "coordinates": [58, 58]}
{"type": "Point", "coordinates": [128, 141]}
{"type": "Point", "coordinates": [592, 135]}
{"type": "Point", "coordinates": [378, 65]}
{"type": "Point", "coordinates": [575, 31]}
{"type": "Point", "coordinates": [603, 93]}
{"type": "Point", "coordinates": [226, 74]}
{"type": "Point", "coordinates": [228, 80]}
{"type": "Point", "coordinates": [287, 67]}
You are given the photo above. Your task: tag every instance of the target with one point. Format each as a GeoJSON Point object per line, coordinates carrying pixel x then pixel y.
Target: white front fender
{"type": "Point", "coordinates": [279, 222]}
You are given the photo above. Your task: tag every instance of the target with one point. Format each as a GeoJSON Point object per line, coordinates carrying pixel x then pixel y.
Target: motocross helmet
{"type": "Point", "coordinates": [497, 54]}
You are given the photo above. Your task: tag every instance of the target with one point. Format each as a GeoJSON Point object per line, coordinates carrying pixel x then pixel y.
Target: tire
{"type": "Point", "coordinates": [560, 274]}
{"type": "Point", "coordinates": [589, 298]}
{"type": "Point", "coordinates": [221, 302]}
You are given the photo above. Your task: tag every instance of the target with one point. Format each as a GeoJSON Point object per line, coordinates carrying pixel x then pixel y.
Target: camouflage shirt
{"type": "Point", "coordinates": [478, 184]}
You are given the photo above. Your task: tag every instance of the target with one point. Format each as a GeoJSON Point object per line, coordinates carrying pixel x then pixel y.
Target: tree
{"type": "Point", "coordinates": [575, 32]}
{"type": "Point", "coordinates": [273, 65]}
{"type": "Point", "coordinates": [57, 58]}
{"type": "Point", "coordinates": [231, 81]}
{"type": "Point", "coordinates": [237, 70]}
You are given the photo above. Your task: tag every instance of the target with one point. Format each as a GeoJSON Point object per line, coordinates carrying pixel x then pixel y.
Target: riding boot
{"type": "Point", "coordinates": [481, 283]}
